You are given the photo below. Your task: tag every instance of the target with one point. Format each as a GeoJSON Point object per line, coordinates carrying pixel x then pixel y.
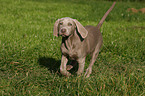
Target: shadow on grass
{"type": "Point", "coordinates": [50, 63]}
{"type": "Point", "coordinates": [53, 65]}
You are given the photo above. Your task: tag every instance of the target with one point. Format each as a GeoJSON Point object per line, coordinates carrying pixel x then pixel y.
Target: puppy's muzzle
{"type": "Point", "coordinates": [63, 30]}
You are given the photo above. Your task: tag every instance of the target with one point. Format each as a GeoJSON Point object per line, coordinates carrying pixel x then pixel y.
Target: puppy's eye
{"type": "Point", "coordinates": [61, 23]}
{"type": "Point", "coordinates": [69, 24]}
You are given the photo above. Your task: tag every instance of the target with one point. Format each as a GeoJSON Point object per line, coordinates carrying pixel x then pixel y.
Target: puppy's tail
{"type": "Point", "coordinates": [106, 14]}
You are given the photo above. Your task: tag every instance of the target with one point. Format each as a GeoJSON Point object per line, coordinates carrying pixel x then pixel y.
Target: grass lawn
{"type": "Point", "coordinates": [30, 54]}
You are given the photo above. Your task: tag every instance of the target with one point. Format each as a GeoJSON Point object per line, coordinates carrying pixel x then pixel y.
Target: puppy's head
{"type": "Point", "coordinates": [67, 26]}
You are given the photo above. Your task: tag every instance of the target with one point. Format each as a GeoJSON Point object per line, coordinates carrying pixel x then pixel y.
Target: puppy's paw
{"type": "Point", "coordinates": [69, 67]}
{"type": "Point", "coordinates": [88, 72]}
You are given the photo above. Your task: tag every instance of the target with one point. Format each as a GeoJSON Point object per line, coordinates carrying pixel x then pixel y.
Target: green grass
{"type": "Point", "coordinates": [30, 54]}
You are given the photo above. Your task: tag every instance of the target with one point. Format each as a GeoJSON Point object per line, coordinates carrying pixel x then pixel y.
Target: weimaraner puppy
{"type": "Point", "coordinates": [78, 42]}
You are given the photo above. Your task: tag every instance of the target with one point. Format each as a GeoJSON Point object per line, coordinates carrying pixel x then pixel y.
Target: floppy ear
{"type": "Point", "coordinates": [83, 32]}
{"type": "Point", "coordinates": [55, 29]}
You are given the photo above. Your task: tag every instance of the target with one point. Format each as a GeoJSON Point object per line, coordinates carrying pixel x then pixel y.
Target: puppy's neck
{"type": "Point", "coordinates": [71, 41]}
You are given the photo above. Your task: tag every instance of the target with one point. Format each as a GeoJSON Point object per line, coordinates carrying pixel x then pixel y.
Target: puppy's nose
{"type": "Point", "coordinates": [63, 30]}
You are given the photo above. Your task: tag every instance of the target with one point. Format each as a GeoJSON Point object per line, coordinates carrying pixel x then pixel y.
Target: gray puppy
{"type": "Point", "coordinates": [78, 42]}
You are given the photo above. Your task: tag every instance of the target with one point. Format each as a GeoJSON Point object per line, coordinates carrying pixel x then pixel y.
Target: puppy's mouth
{"type": "Point", "coordinates": [63, 35]}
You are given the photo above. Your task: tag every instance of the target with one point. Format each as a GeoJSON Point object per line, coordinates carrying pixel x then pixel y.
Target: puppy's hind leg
{"type": "Point", "coordinates": [93, 59]}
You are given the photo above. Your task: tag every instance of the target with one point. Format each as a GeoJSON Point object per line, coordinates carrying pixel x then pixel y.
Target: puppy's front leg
{"type": "Point", "coordinates": [81, 62]}
{"type": "Point", "coordinates": [63, 70]}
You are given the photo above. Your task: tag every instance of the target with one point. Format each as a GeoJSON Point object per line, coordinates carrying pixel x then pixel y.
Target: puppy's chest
{"type": "Point", "coordinates": [70, 51]}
